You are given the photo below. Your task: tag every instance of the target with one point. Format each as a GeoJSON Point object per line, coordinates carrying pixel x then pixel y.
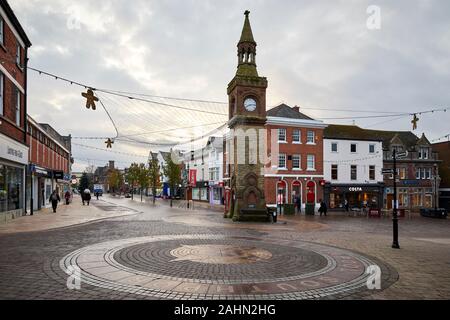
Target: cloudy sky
{"type": "Point", "coordinates": [315, 54]}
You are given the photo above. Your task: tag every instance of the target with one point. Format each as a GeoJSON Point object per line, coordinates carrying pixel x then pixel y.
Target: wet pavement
{"type": "Point", "coordinates": [145, 251]}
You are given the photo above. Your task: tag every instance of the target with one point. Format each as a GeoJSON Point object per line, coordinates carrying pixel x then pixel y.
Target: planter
{"type": "Point", "coordinates": [289, 209]}
{"type": "Point", "coordinates": [310, 209]}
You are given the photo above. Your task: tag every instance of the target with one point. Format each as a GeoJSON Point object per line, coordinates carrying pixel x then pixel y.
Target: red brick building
{"type": "Point", "coordinates": [443, 149]}
{"type": "Point", "coordinates": [50, 163]}
{"type": "Point", "coordinates": [295, 157]}
{"type": "Point", "coordinates": [14, 45]}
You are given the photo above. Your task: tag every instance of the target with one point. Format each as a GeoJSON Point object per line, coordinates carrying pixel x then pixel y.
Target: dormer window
{"type": "Point", "coordinates": [423, 153]}
{"type": "Point", "coordinates": [397, 148]}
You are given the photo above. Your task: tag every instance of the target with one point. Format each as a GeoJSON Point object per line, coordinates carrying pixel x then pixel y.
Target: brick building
{"type": "Point", "coordinates": [443, 148]}
{"type": "Point", "coordinates": [14, 45]}
{"type": "Point", "coordinates": [295, 156]}
{"type": "Point", "coordinates": [49, 163]}
{"type": "Point", "coordinates": [415, 173]}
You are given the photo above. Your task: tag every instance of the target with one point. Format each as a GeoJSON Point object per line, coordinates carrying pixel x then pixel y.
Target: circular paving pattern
{"type": "Point", "coordinates": [218, 267]}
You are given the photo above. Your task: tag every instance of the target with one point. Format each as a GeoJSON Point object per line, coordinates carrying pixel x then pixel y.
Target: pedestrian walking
{"type": "Point", "coordinates": [67, 197]}
{"type": "Point", "coordinates": [298, 204]}
{"type": "Point", "coordinates": [323, 208]}
{"type": "Point", "coordinates": [87, 198]}
{"type": "Point", "coordinates": [96, 194]}
{"type": "Point", "coordinates": [346, 205]}
{"type": "Point", "coordinates": [54, 199]}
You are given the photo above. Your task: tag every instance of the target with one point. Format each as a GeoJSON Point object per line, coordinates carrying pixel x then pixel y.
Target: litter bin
{"type": "Point", "coordinates": [310, 209]}
{"type": "Point", "coordinates": [289, 209]}
{"type": "Point", "coordinates": [274, 213]}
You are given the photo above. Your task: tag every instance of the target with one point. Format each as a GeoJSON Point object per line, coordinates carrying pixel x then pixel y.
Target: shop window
{"type": "Point", "coordinates": [416, 197]}
{"type": "Point", "coordinates": [371, 172]}
{"type": "Point", "coordinates": [11, 188]}
{"type": "Point", "coordinates": [403, 198]}
{"type": "Point", "coordinates": [334, 172]}
{"type": "Point", "coordinates": [296, 136]}
{"type": "Point", "coordinates": [353, 172]}
{"type": "Point", "coordinates": [282, 135]}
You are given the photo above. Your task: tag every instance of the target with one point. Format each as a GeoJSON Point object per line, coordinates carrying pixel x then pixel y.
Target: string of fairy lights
{"type": "Point", "coordinates": [131, 138]}
{"type": "Point", "coordinates": [136, 113]}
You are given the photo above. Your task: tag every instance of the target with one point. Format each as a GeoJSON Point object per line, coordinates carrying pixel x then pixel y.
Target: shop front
{"type": "Point", "coordinates": [13, 161]}
{"type": "Point", "coordinates": [216, 193]}
{"type": "Point", "coordinates": [39, 187]}
{"type": "Point", "coordinates": [410, 198]}
{"type": "Point", "coordinates": [201, 191]}
{"type": "Point", "coordinates": [357, 196]}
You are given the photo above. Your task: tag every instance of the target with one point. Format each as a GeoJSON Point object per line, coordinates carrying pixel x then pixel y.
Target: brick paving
{"type": "Point", "coordinates": [30, 261]}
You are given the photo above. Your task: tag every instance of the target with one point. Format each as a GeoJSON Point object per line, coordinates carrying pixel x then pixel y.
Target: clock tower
{"type": "Point", "coordinates": [247, 119]}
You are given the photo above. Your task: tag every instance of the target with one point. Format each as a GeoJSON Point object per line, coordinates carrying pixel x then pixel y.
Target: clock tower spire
{"type": "Point", "coordinates": [247, 145]}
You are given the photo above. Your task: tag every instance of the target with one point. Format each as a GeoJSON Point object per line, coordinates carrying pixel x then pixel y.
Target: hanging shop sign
{"type": "Point", "coordinates": [192, 177]}
{"type": "Point", "coordinates": [58, 175]}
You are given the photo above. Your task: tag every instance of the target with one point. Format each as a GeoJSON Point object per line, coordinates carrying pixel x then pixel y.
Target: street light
{"type": "Point", "coordinates": [435, 188]}
{"type": "Point", "coordinates": [395, 243]}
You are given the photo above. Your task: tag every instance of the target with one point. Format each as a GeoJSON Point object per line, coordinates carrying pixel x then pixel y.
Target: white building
{"type": "Point", "coordinates": [353, 161]}
{"type": "Point", "coordinates": [214, 151]}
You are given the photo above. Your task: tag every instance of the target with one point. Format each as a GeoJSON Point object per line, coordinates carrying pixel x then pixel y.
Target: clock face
{"type": "Point", "coordinates": [250, 104]}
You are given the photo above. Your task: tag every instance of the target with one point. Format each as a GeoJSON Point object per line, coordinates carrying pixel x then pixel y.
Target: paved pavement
{"type": "Point", "coordinates": [144, 251]}
{"type": "Point", "coordinates": [66, 215]}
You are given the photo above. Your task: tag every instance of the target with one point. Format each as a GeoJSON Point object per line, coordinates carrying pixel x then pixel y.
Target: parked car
{"type": "Point", "coordinates": [127, 195]}
{"type": "Point", "coordinates": [432, 213]}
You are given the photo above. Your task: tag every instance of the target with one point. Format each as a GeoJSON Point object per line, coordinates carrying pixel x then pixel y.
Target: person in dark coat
{"type": "Point", "coordinates": [323, 208]}
{"type": "Point", "coordinates": [298, 204]}
{"type": "Point", "coordinates": [67, 197]}
{"type": "Point", "coordinates": [87, 198]}
{"type": "Point", "coordinates": [54, 199]}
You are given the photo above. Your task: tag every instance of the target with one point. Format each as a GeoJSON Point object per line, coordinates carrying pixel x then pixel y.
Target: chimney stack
{"type": "Point", "coordinates": [296, 109]}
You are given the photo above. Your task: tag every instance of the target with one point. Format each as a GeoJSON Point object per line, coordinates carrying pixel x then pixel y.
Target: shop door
{"type": "Point", "coordinates": [390, 199]}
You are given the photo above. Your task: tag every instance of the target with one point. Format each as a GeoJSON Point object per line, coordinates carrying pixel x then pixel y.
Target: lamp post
{"type": "Point", "coordinates": [435, 188]}
{"type": "Point", "coordinates": [395, 243]}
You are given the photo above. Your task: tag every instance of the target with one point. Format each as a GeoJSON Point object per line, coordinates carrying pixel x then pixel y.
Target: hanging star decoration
{"type": "Point", "coordinates": [109, 143]}
{"type": "Point", "coordinates": [90, 99]}
{"type": "Point", "coordinates": [414, 121]}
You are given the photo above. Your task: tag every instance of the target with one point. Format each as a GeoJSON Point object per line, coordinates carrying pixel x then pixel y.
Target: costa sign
{"type": "Point", "coordinates": [355, 189]}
